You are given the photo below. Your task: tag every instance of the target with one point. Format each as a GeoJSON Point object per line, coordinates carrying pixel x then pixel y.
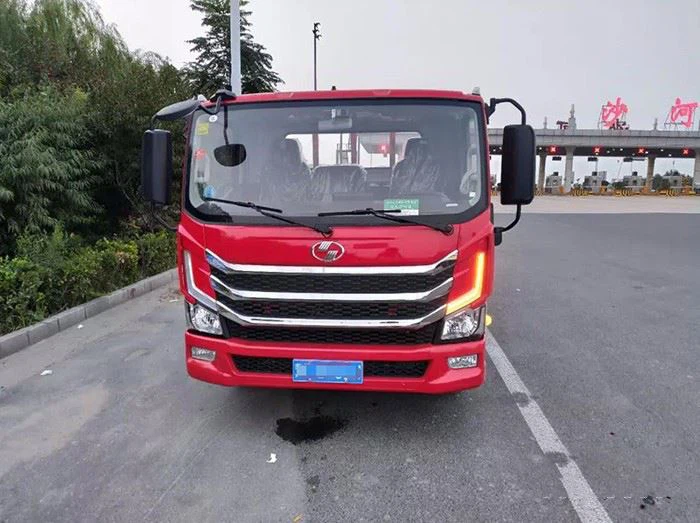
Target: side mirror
{"type": "Point", "coordinates": [177, 110]}
{"type": "Point", "coordinates": [518, 165]}
{"type": "Point", "coordinates": [156, 166]}
{"type": "Point", "coordinates": [231, 155]}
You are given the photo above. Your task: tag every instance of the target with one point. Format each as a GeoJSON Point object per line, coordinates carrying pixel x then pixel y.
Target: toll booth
{"type": "Point", "coordinates": [675, 181]}
{"type": "Point", "coordinates": [634, 182]}
{"type": "Point", "coordinates": [553, 182]}
{"type": "Point", "coordinates": [594, 181]}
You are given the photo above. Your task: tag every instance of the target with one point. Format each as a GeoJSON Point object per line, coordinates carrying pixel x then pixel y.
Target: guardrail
{"type": "Point", "coordinates": [609, 191]}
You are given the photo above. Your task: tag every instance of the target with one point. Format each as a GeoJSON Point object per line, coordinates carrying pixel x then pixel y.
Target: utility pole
{"type": "Point", "coordinates": [236, 46]}
{"type": "Point", "coordinates": [317, 37]}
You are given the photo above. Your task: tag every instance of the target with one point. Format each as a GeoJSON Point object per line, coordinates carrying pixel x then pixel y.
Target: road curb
{"type": "Point", "coordinates": [23, 338]}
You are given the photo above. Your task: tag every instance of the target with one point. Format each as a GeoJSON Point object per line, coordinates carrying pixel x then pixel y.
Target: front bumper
{"type": "Point", "coordinates": [438, 377]}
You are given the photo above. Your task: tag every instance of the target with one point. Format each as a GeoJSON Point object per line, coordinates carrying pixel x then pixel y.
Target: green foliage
{"type": "Point", "coordinates": [23, 302]}
{"type": "Point", "coordinates": [56, 271]}
{"type": "Point", "coordinates": [212, 68]}
{"type": "Point", "coordinates": [46, 170]}
{"type": "Point", "coordinates": [48, 250]}
{"type": "Point", "coordinates": [122, 108]}
{"type": "Point", "coordinates": [157, 252]}
{"type": "Point", "coordinates": [14, 42]}
{"type": "Point", "coordinates": [77, 280]}
{"type": "Point", "coordinates": [119, 262]}
{"type": "Point", "coordinates": [62, 42]}
{"type": "Point", "coordinates": [74, 103]}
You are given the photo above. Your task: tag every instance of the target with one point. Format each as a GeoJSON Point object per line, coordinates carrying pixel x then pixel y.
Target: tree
{"type": "Point", "coordinates": [46, 168]}
{"type": "Point", "coordinates": [14, 43]}
{"type": "Point", "coordinates": [123, 104]}
{"type": "Point", "coordinates": [62, 42]}
{"type": "Point", "coordinates": [75, 97]}
{"type": "Point", "coordinates": [212, 68]}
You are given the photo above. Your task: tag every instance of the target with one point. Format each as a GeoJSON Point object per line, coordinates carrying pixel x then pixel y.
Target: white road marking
{"type": "Point", "coordinates": [582, 497]}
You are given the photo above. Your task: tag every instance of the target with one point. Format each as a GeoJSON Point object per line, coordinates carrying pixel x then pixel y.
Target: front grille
{"type": "Point", "coordinates": [335, 283]}
{"type": "Point", "coordinates": [263, 365]}
{"type": "Point", "coordinates": [332, 309]}
{"type": "Point", "coordinates": [421, 336]}
{"type": "Point", "coordinates": [336, 312]}
{"type": "Point", "coordinates": [385, 369]}
{"type": "Point", "coordinates": [396, 369]}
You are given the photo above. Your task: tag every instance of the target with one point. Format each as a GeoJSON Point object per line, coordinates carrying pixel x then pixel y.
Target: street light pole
{"type": "Point", "coordinates": [317, 37]}
{"type": "Point", "coordinates": [236, 46]}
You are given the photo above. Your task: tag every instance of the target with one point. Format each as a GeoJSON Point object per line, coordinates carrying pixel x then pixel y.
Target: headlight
{"type": "Point", "coordinates": [463, 324]}
{"type": "Point", "coordinates": [204, 320]}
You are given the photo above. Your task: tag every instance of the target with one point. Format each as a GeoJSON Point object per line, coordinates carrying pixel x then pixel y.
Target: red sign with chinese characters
{"type": "Point", "coordinates": [612, 113]}
{"type": "Point", "coordinates": [683, 113]}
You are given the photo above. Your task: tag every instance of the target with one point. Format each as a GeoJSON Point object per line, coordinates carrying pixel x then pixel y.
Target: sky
{"type": "Point", "coordinates": [547, 54]}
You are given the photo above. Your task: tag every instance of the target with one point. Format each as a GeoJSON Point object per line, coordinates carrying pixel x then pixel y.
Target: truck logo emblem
{"type": "Point", "coordinates": [327, 251]}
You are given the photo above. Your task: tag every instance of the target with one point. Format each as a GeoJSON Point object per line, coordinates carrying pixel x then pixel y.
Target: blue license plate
{"type": "Point", "coordinates": [327, 371]}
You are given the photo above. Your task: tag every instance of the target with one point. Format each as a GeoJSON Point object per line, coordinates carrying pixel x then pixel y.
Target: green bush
{"type": "Point", "coordinates": [156, 252]}
{"type": "Point", "coordinates": [79, 279]}
{"type": "Point", "coordinates": [55, 272]}
{"type": "Point", "coordinates": [23, 301]}
{"type": "Point", "coordinates": [120, 263]}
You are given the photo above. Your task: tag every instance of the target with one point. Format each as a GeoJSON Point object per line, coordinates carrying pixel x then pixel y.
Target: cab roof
{"type": "Point", "coordinates": [357, 94]}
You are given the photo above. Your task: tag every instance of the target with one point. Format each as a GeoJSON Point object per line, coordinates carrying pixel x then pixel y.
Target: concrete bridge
{"type": "Point", "coordinates": [608, 143]}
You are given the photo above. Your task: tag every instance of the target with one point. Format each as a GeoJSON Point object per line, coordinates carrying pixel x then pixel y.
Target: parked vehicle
{"type": "Point", "coordinates": [338, 239]}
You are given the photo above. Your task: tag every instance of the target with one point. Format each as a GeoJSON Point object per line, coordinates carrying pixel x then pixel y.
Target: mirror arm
{"type": "Point", "coordinates": [221, 94]}
{"type": "Point", "coordinates": [498, 231]}
{"type": "Point", "coordinates": [495, 101]}
{"type": "Point", "coordinates": [216, 109]}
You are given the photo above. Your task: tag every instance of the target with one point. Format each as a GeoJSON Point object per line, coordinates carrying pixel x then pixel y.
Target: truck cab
{"type": "Point", "coordinates": [338, 239]}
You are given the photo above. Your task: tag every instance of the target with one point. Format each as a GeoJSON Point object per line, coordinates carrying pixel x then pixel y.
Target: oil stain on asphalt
{"type": "Point", "coordinates": [307, 430]}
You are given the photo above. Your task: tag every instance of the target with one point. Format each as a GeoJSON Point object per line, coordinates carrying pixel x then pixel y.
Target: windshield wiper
{"type": "Point", "coordinates": [272, 212]}
{"type": "Point", "coordinates": [388, 215]}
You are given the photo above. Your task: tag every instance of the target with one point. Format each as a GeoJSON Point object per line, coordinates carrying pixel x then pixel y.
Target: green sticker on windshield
{"type": "Point", "coordinates": [202, 129]}
{"type": "Point", "coordinates": [407, 207]}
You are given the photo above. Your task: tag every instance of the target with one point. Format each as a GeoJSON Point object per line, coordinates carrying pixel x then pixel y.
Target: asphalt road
{"type": "Point", "coordinates": [598, 314]}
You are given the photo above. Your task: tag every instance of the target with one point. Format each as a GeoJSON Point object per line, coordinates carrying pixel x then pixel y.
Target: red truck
{"type": "Point", "coordinates": [338, 239]}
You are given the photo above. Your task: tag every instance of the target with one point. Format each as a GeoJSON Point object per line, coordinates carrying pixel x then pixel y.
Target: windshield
{"type": "Point", "coordinates": [419, 158]}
